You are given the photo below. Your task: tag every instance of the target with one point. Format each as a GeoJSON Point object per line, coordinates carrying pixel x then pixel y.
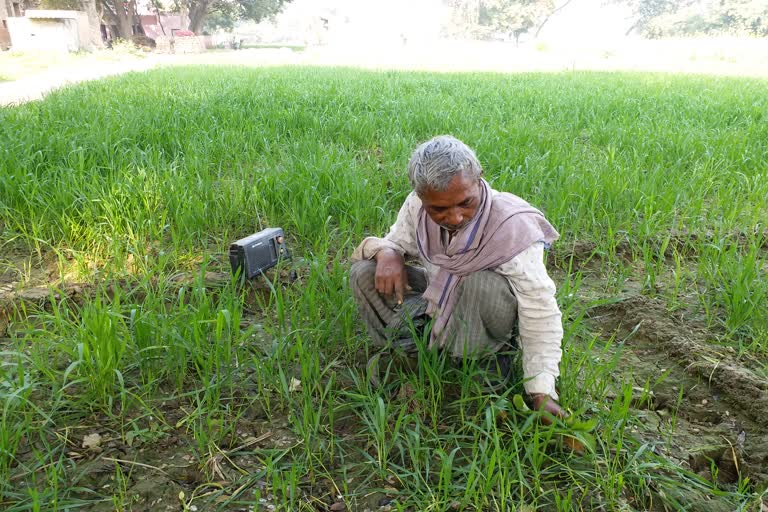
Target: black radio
{"type": "Point", "coordinates": [261, 251]}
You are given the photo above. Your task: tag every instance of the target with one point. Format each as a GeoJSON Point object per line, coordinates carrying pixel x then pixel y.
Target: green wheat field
{"type": "Point", "coordinates": [137, 374]}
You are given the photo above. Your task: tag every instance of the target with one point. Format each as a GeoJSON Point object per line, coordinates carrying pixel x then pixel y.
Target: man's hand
{"type": "Point", "coordinates": [391, 278]}
{"type": "Point", "coordinates": [545, 403]}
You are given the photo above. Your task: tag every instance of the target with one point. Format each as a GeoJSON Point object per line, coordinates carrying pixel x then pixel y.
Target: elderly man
{"type": "Point", "coordinates": [483, 281]}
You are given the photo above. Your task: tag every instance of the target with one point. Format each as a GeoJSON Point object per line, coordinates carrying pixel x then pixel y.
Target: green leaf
{"type": "Point", "coordinates": [584, 426]}
{"type": "Point", "coordinates": [520, 404]}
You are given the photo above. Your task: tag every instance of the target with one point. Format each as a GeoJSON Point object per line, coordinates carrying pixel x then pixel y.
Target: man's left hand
{"type": "Point", "coordinates": [546, 403]}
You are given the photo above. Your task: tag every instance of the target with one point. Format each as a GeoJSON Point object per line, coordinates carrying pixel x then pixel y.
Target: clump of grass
{"type": "Point", "coordinates": [737, 290]}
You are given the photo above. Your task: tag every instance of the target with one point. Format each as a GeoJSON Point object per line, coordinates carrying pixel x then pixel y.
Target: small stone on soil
{"type": "Point", "coordinates": [92, 442]}
{"type": "Point", "coordinates": [36, 293]}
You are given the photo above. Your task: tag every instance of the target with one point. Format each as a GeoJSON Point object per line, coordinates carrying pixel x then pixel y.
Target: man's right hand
{"type": "Point", "coordinates": [391, 279]}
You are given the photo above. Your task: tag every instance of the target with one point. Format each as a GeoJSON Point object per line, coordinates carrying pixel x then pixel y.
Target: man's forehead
{"type": "Point", "coordinates": [457, 192]}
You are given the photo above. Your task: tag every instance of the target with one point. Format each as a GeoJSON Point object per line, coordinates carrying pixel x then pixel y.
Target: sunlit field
{"type": "Point", "coordinates": [137, 374]}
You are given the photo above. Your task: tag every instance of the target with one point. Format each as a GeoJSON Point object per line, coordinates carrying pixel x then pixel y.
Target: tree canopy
{"type": "Point", "coordinates": [514, 17]}
{"type": "Point", "coordinates": [203, 14]}
{"type": "Point", "coordinates": [650, 18]}
{"type": "Point", "coordinates": [489, 19]}
{"type": "Point", "coordinates": [664, 18]}
{"type": "Point", "coordinates": [213, 14]}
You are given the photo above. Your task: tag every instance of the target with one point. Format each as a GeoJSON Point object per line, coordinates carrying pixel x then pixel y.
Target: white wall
{"type": "Point", "coordinates": [56, 35]}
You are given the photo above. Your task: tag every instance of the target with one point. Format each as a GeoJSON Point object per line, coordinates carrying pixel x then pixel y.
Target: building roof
{"type": "Point", "coordinates": [170, 23]}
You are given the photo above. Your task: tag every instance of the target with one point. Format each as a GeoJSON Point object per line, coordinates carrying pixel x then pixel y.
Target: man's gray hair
{"type": "Point", "coordinates": [436, 162]}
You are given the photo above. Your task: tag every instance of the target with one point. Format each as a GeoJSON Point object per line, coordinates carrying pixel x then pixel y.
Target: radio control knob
{"type": "Point", "coordinates": [280, 240]}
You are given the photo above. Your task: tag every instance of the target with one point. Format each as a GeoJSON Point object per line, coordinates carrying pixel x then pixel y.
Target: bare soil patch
{"type": "Point", "coordinates": [709, 409]}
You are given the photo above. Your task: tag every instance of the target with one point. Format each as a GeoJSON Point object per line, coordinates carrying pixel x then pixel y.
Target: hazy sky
{"type": "Point", "coordinates": [588, 20]}
{"type": "Point", "coordinates": [421, 20]}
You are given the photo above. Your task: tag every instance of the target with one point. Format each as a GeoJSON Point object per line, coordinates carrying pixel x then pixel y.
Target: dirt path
{"type": "Point", "coordinates": [93, 67]}
{"type": "Point", "coordinates": [35, 86]}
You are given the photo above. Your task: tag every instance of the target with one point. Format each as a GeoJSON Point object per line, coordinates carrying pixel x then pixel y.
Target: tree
{"type": "Point", "coordinates": [548, 16]}
{"type": "Point", "coordinates": [217, 20]}
{"type": "Point", "coordinates": [737, 17]}
{"type": "Point", "coordinates": [73, 5]}
{"type": "Point", "coordinates": [120, 14]}
{"type": "Point", "coordinates": [224, 13]}
{"type": "Point", "coordinates": [646, 11]}
{"type": "Point", "coordinates": [514, 17]}
{"type": "Point", "coordinates": [462, 18]}
{"type": "Point", "coordinates": [662, 18]}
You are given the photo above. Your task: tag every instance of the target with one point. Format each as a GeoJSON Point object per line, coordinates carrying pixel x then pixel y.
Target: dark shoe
{"type": "Point", "coordinates": [383, 366]}
{"type": "Point", "coordinates": [497, 372]}
{"type": "Point", "coordinates": [410, 323]}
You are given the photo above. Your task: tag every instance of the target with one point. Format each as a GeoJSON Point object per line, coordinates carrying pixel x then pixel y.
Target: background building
{"type": "Point", "coordinates": [50, 30]}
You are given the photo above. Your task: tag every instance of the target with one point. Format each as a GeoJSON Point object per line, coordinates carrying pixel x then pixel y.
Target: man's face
{"type": "Point", "coordinates": [454, 207]}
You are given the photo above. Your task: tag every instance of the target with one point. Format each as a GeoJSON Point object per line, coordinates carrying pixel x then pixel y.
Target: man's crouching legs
{"type": "Point", "coordinates": [484, 323]}
{"type": "Point", "coordinates": [387, 322]}
{"type": "Point", "coordinates": [390, 324]}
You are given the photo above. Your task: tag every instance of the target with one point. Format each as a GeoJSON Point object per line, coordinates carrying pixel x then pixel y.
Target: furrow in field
{"type": "Point", "coordinates": [722, 410]}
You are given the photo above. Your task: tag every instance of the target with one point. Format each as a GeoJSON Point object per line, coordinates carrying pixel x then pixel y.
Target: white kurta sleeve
{"type": "Point", "coordinates": [539, 319]}
{"type": "Point", "coordinates": [401, 236]}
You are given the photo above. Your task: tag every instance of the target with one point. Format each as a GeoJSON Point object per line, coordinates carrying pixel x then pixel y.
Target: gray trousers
{"type": "Point", "coordinates": [484, 320]}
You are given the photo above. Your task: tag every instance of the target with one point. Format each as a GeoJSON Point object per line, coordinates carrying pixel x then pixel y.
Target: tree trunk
{"type": "Point", "coordinates": [160, 19]}
{"type": "Point", "coordinates": [633, 27]}
{"type": "Point", "coordinates": [198, 10]}
{"type": "Point", "coordinates": [121, 14]}
{"type": "Point", "coordinates": [94, 25]}
{"type": "Point", "coordinates": [548, 17]}
{"type": "Point", "coordinates": [107, 13]}
{"type": "Point", "coordinates": [124, 24]}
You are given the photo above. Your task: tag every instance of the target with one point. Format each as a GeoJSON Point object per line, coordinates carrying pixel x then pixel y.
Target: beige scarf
{"type": "Point", "coordinates": [503, 227]}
